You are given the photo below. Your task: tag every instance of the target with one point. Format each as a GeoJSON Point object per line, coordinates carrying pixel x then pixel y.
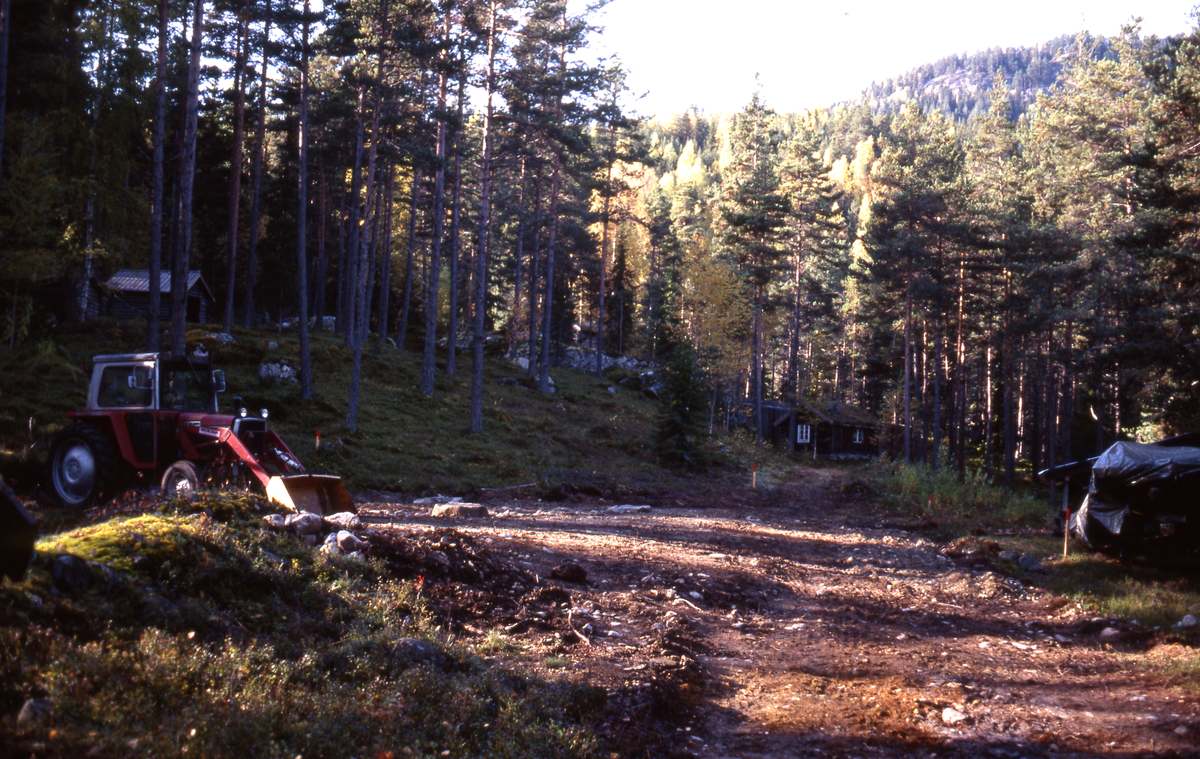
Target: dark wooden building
{"type": "Point", "coordinates": [127, 295]}
{"type": "Point", "coordinates": [834, 429]}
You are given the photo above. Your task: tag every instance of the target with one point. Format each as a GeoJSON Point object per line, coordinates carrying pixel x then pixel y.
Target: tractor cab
{"type": "Point", "coordinates": [152, 403]}
{"type": "Point", "coordinates": [154, 381]}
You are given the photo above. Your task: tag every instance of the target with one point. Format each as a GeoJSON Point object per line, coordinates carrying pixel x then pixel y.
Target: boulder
{"type": "Point", "coordinates": [344, 520]}
{"type": "Point", "coordinates": [459, 511]}
{"type": "Point", "coordinates": [278, 371]}
{"type": "Point", "coordinates": [71, 573]}
{"type": "Point", "coordinates": [626, 509]}
{"type": "Point", "coordinates": [330, 546]}
{"type": "Point", "coordinates": [305, 524]}
{"type": "Point", "coordinates": [417, 651]}
{"type": "Point", "coordinates": [570, 572]}
{"type": "Point", "coordinates": [276, 521]}
{"type": "Point", "coordinates": [34, 711]}
{"type": "Point", "coordinates": [348, 542]}
{"type": "Point", "coordinates": [1029, 564]}
{"type": "Point", "coordinates": [222, 339]}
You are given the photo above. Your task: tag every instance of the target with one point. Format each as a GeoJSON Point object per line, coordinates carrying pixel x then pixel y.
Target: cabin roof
{"type": "Point", "coordinates": [138, 281]}
{"type": "Point", "coordinates": [841, 414]}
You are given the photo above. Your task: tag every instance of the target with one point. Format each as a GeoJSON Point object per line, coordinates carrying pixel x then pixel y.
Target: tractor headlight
{"type": "Point", "coordinates": [242, 412]}
{"type": "Point", "coordinates": [263, 412]}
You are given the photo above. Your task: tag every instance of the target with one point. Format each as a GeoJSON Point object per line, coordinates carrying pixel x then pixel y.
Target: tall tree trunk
{"type": "Point", "coordinates": [519, 255]}
{"type": "Point", "coordinates": [1009, 379]}
{"type": "Point", "coordinates": [535, 262]}
{"type": "Point", "coordinates": [306, 382]}
{"type": "Point", "coordinates": [385, 253]}
{"type": "Point", "coordinates": [187, 173]}
{"type": "Point", "coordinates": [958, 420]}
{"type": "Point", "coordinates": [364, 273]}
{"type": "Point", "coordinates": [356, 220]}
{"type": "Point", "coordinates": [343, 283]}
{"type": "Point", "coordinates": [604, 220]}
{"type": "Point", "coordinates": [406, 303]}
{"type": "Point", "coordinates": [452, 254]}
{"type": "Point", "coordinates": [260, 135]}
{"type": "Point", "coordinates": [792, 386]}
{"type": "Point", "coordinates": [548, 289]}
{"type": "Point", "coordinates": [988, 416]}
{"type": "Point", "coordinates": [908, 362]}
{"type": "Point", "coordinates": [5, 15]}
{"type": "Point", "coordinates": [154, 308]}
{"type": "Point", "coordinates": [322, 261]}
{"type": "Point", "coordinates": [374, 262]}
{"type": "Point", "coordinates": [235, 161]}
{"type": "Point", "coordinates": [936, 453]}
{"type": "Point", "coordinates": [757, 368]}
{"type": "Point", "coordinates": [485, 217]}
{"type": "Point", "coordinates": [89, 230]}
{"type": "Point", "coordinates": [434, 273]}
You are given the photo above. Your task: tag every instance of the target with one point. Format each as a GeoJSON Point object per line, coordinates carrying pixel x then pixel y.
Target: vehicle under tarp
{"type": "Point", "coordinates": [1140, 492]}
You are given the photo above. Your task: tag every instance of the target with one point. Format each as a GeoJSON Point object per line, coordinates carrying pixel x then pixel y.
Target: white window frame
{"type": "Point", "coordinates": [803, 433]}
{"type": "Point", "coordinates": [859, 435]}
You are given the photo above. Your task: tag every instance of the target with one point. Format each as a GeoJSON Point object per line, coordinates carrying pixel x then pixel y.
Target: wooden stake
{"type": "Point", "coordinates": [1066, 516]}
{"type": "Point", "coordinates": [754, 480]}
{"type": "Point", "coordinates": [1066, 531]}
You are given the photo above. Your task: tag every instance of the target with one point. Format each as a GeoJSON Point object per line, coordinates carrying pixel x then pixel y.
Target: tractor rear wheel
{"type": "Point", "coordinates": [83, 466]}
{"type": "Point", "coordinates": [181, 480]}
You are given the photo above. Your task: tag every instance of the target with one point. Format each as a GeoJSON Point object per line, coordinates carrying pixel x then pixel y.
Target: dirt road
{"type": "Point", "coordinates": [793, 622]}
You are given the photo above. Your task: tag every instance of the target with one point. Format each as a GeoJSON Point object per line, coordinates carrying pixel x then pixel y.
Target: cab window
{"type": "Point", "coordinates": [125, 387]}
{"type": "Point", "coordinates": [182, 391]}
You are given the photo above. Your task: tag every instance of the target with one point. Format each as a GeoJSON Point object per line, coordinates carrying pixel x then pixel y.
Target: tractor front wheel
{"type": "Point", "coordinates": [181, 480]}
{"type": "Point", "coordinates": [83, 466]}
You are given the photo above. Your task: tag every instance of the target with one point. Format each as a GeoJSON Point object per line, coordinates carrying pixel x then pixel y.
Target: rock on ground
{"type": "Point", "coordinates": [459, 511]}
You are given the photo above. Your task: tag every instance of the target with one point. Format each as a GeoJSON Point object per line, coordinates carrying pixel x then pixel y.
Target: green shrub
{"type": "Point", "coordinates": [956, 502]}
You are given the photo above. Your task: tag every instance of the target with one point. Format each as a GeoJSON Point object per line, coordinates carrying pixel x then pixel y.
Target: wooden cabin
{"type": "Point", "coordinates": [834, 429]}
{"type": "Point", "coordinates": [127, 296]}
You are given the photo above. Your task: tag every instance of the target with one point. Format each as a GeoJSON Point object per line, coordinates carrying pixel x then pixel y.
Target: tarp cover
{"type": "Point", "coordinates": [1136, 484]}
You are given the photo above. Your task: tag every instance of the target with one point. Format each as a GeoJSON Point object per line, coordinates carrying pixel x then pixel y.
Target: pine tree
{"type": "Point", "coordinates": [912, 188]}
{"type": "Point", "coordinates": [754, 212]}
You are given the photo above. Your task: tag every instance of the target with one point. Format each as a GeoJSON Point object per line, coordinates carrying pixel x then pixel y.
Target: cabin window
{"type": "Point", "coordinates": [803, 433]}
{"type": "Point", "coordinates": [858, 435]}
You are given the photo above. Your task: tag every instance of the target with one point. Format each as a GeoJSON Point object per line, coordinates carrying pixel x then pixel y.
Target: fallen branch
{"type": "Point", "coordinates": [505, 490]}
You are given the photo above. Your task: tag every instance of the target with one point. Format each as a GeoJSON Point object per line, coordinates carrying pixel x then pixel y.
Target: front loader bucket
{"type": "Point", "coordinates": [315, 493]}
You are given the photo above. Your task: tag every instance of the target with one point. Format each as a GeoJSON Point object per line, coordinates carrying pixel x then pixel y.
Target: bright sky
{"type": "Point", "coordinates": [707, 52]}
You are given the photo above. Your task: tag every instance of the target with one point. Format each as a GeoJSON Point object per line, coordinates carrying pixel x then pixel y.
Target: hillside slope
{"type": "Point", "coordinates": [587, 434]}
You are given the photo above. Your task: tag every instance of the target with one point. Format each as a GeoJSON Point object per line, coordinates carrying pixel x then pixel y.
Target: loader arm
{"type": "Point", "coordinates": [315, 493]}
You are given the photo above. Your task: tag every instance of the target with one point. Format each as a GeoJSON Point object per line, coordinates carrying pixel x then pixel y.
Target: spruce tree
{"type": "Point", "coordinates": [680, 415]}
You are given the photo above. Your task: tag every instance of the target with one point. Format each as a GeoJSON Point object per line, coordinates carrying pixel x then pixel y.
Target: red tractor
{"type": "Point", "coordinates": [152, 414]}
